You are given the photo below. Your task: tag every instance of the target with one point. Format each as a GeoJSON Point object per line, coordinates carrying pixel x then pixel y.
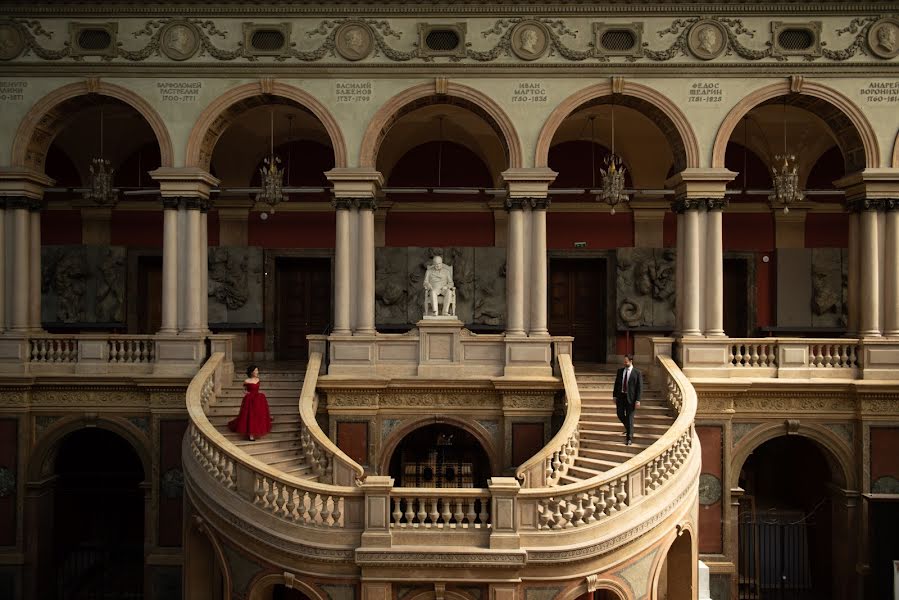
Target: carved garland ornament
{"type": "Point", "coordinates": [526, 38]}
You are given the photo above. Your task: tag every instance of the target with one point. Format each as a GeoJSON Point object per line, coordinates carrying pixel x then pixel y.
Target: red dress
{"type": "Point", "coordinates": [253, 420]}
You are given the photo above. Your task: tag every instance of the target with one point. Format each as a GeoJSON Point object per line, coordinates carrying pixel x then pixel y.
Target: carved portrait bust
{"type": "Point", "coordinates": [179, 41]}
{"type": "Point", "coordinates": [353, 41]}
{"type": "Point", "coordinates": [883, 37]}
{"type": "Point", "coordinates": [707, 39]}
{"type": "Point", "coordinates": [529, 40]}
{"type": "Point", "coordinates": [11, 42]}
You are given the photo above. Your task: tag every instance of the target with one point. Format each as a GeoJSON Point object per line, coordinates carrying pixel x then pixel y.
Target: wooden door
{"type": "Point", "coordinates": [303, 304]}
{"type": "Point", "coordinates": [736, 297]}
{"type": "Point", "coordinates": [577, 305]}
{"type": "Point", "coordinates": [149, 294]}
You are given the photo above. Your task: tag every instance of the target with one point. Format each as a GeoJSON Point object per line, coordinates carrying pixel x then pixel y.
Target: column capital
{"type": "Point", "coordinates": [516, 203]}
{"type": "Point", "coordinates": [170, 202]}
{"type": "Point", "coordinates": [349, 203]}
{"type": "Point", "coordinates": [355, 182]}
{"type": "Point", "coordinates": [877, 204]}
{"type": "Point", "coordinates": [529, 183]}
{"type": "Point", "coordinates": [864, 188]}
{"type": "Point", "coordinates": [185, 182]}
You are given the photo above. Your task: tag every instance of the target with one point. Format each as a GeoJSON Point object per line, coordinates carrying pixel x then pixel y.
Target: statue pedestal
{"type": "Point", "coordinates": [440, 347]}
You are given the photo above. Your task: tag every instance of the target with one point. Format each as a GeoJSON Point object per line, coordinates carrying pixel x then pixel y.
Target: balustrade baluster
{"type": "Point", "coordinates": [763, 355]}
{"type": "Point", "coordinates": [397, 514]}
{"type": "Point", "coordinates": [543, 516]}
{"type": "Point", "coordinates": [754, 359]}
{"type": "Point", "coordinates": [621, 496]}
{"type": "Point", "coordinates": [314, 500]}
{"type": "Point", "coordinates": [602, 506]}
{"type": "Point", "coordinates": [326, 512]}
{"type": "Point", "coordinates": [433, 514]}
{"type": "Point", "coordinates": [484, 514]}
{"type": "Point", "coordinates": [446, 514]}
{"type": "Point", "coordinates": [458, 515]}
{"type": "Point", "coordinates": [302, 512]}
{"type": "Point", "coordinates": [579, 511]}
{"type": "Point", "coordinates": [422, 513]}
{"type": "Point", "coordinates": [335, 511]}
{"type": "Point", "coordinates": [270, 493]}
{"type": "Point", "coordinates": [557, 514]}
{"type": "Point", "coordinates": [291, 506]}
{"type": "Point", "coordinates": [471, 514]}
{"type": "Point", "coordinates": [409, 511]}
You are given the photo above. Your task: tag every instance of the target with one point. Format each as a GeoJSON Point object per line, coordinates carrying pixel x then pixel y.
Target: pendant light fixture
{"type": "Point", "coordinates": [785, 174]}
{"type": "Point", "coordinates": [101, 191]}
{"type": "Point", "coordinates": [272, 192]}
{"type": "Point", "coordinates": [612, 175]}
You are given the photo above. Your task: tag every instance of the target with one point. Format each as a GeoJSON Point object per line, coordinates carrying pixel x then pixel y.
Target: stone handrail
{"type": "Point", "coordinates": [592, 500]}
{"type": "Point", "coordinates": [787, 357]}
{"type": "Point", "coordinates": [327, 460]}
{"type": "Point", "coordinates": [288, 499]}
{"type": "Point", "coordinates": [116, 349]}
{"type": "Point", "coordinates": [546, 466]}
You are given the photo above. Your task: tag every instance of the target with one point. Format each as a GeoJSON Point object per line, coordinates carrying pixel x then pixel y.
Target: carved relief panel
{"type": "Point", "coordinates": [646, 287]}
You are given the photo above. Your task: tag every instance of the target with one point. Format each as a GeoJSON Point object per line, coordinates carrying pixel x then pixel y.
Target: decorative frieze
{"type": "Point", "coordinates": [527, 38]}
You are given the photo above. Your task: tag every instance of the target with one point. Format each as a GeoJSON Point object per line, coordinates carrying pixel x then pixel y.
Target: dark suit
{"type": "Point", "coordinates": [626, 401]}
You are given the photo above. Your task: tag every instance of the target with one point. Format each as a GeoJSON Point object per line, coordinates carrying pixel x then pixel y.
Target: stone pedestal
{"type": "Point", "coordinates": [440, 347]}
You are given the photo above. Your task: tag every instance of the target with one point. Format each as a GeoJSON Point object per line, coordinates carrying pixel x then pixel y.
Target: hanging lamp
{"type": "Point", "coordinates": [101, 191]}
{"type": "Point", "coordinates": [785, 174]}
{"type": "Point", "coordinates": [612, 175]}
{"type": "Point", "coordinates": [272, 192]}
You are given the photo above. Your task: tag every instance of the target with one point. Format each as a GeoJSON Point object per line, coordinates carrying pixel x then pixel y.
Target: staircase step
{"type": "Point", "coordinates": [616, 452]}
{"type": "Point", "coordinates": [593, 437]}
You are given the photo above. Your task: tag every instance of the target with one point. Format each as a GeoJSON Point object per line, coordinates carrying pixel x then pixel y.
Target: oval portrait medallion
{"type": "Point", "coordinates": [354, 41]}
{"type": "Point", "coordinates": [530, 40]}
{"type": "Point", "coordinates": [707, 39]}
{"type": "Point", "coordinates": [179, 40]}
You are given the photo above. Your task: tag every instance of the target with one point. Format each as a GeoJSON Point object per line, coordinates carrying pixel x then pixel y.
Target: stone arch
{"type": "Point", "coordinates": [656, 106]}
{"type": "Point", "coordinates": [853, 131]}
{"type": "Point", "coordinates": [896, 153]}
{"type": "Point", "coordinates": [199, 527]}
{"type": "Point", "coordinates": [45, 450]}
{"type": "Point", "coordinates": [216, 117]}
{"type": "Point", "coordinates": [47, 117]}
{"type": "Point", "coordinates": [681, 529]}
{"type": "Point", "coordinates": [424, 94]}
{"type": "Point", "coordinates": [835, 451]}
{"type": "Point", "coordinates": [266, 582]}
{"type": "Point", "coordinates": [397, 436]}
{"type": "Point", "coordinates": [602, 582]}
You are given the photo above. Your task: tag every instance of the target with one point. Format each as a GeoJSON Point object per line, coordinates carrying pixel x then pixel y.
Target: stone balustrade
{"type": "Point", "coordinates": [789, 358]}
{"type": "Point", "coordinates": [552, 461]}
{"type": "Point", "coordinates": [105, 354]}
{"type": "Point", "coordinates": [370, 515]}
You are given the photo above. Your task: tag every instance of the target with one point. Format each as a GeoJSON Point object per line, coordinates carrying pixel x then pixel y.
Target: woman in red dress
{"type": "Point", "coordinates": [253, 420]}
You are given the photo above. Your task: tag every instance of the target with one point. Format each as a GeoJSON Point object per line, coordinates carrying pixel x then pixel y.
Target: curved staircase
{"type": "Point", "coordinates": [601, 435]}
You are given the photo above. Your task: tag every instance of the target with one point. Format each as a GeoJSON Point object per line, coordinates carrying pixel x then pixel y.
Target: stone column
{"type": "Point", "coordinates": [891, 268]}
{"type": "Point", "coordinates": [692, 275]}
{"type": "Point", "coordinates": [538, 264]}
{"type": "Point", "coordinates": [170, 261]}
{"type": "Point", "coordinates": [185, 197]}
{"type": "Point", "coordinates": [869, 272]}
{"type": "Point", "coordinates": [678, 273]}
{"type": "Point", "coordinates": [714, 269]}
{"type": "Point", "coordinates": [342, 268]}
{"type": "Point", "coordinates": [355, 190]}
{"type": "Point", "coordinates": [853, 283]}
{"type": "Point", "coordinates": [365, 320]}
{"type": "Point", "coordinates": [34, 267]}
{"type": "Point", "coordinates": [193, 281]}
{"type": "Point", "coordinates": [515, 269]}
{"type": "Point", "coordinates": [21, 268]}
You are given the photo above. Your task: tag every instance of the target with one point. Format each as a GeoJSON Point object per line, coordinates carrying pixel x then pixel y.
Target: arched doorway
{"type": "Point", "coordinates": [296, 236]}
{"type": "Point", "coordinates": [96, 542]}
{"type": "Point", "coordinates": [591, 243]}
{"type": "Point", "coordinates": [806, 249]}
{"type": "Point", "coordinates": [440, 455]}
{"type": "Point", "coordinates": [87, 245]}
{"type": "Point", "coordinates": [787, 535]}
{"type": "Point", "coordinates": [677, 576]}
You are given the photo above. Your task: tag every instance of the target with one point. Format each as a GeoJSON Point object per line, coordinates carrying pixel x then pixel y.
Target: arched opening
{"type": "Point", "coordinates": [578, 151]}
{"type": "Point", "coordinates": [811, 242]}
{"type": "Point", "coordinates": [787, 539]}
{"type": "Point", "coordinates": [677, 576]}
{"type": "Point", "coordinates": [282, 592]}
{"type": "Point", "coordinates": [94, 544]}
{"type": "Point", "coordinates": [440, 455]}
{"type": "Point", "coordinates": [85, 247]}
{"type": "Point", "coordinates": [602, 594]}
{"type": "Point", "coordinates": [435, 152]}
{"type": "Point", "coordinates": [295, 234]}
{"type": "Point", "coordinates": [204, 578]}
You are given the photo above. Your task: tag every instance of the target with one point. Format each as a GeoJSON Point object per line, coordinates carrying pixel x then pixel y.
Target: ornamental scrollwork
{"type": "Point", "coordinates": [732, 29]}
{"type": "Point", "coordinates": [552, 29]}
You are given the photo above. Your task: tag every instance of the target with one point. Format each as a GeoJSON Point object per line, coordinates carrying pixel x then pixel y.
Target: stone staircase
{"type": "Point", "coordinates": [281, 449]}
{"type": "Point", "coordinates": [602, 434]}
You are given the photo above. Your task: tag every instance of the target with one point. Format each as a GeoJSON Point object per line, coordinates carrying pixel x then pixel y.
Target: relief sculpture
{"type": "Point", "coordinates": [235, 284]}
{"type": "Point", "coordinates": [646, 290]}
{"type": "Point", "coordinates": [82, 284]}
{"type": "Point", "coordinates": [829, 280]}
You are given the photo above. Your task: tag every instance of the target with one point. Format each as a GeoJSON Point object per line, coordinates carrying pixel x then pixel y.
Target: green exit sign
{"type": "Point", "coordinates": [580, 244]}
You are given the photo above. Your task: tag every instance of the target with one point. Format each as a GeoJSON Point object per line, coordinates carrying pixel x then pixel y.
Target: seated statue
{"type": "Point", "coordinates": [439, 282]}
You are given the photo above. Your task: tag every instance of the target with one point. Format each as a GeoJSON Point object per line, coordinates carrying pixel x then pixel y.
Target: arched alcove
{"type": "Point", "coordinates": [439, 455]}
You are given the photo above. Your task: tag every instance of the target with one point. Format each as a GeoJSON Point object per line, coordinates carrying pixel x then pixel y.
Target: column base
{"type": "Point", "coordinates": [716, 333]}
{"type": "Point", "coordinates": [539, 333]}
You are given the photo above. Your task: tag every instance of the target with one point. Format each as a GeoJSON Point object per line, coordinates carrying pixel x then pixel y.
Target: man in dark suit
{"type": "Point", "coordinates": [627, 391]}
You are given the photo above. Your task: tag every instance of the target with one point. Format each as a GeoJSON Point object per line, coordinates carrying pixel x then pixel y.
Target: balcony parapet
{"type": "Point", "coordinates": [100, 354]}
{"type": "Point", "coordinates": [790, 358]}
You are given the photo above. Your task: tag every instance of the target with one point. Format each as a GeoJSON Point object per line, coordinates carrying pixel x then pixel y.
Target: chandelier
{"type": "Point", "coordinates": [611, 190]}
{"type": "Point", "coordinates": [785, 174]}
{"type": "Point", "coordinates": [101, 191]}
{"type": "Point", "coordinates": [272, 175]}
